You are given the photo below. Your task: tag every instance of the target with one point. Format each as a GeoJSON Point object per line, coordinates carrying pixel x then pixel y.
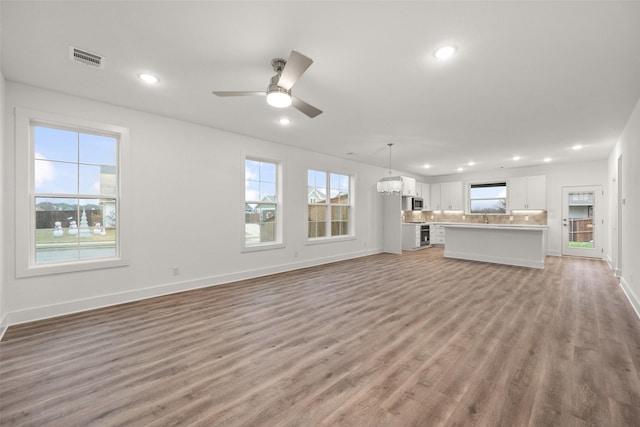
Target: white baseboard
{"type": "Point", "coordinates": [633, 299]}
{"type": "Point", "coordinates": [3, 326]}
{"type": "Point", "coordinates": [70, 307]}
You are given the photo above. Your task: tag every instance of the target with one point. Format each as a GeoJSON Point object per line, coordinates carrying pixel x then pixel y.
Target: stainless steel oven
{"type": "Point", "coordinates": [425, 235]}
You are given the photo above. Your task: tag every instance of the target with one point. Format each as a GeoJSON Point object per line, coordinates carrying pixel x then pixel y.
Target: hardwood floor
{"type": "Point", "coordinates": [412, 340]}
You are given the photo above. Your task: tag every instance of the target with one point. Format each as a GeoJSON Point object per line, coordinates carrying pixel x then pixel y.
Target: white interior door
{"type": "Point", "coordinates": [582, 221]}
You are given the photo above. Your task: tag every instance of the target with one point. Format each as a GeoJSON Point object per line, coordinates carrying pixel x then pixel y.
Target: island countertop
{"type": "Point", "coordinates": [478, 224]}
{"type": "Point", "coordinates": [533, 227]}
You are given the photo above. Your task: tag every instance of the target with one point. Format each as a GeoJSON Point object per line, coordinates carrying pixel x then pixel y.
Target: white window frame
{"type": "Point", "coordinates": [491, 182]}
{"type": "Point", "coordinates": [278, 243]}
{"type": "Point", "coordinates": [329, 238]}
{"type": "Point", "coordinates": [25, 193]}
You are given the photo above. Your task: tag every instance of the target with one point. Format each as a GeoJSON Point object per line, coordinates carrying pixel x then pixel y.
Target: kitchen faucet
{"type": "Point", "coordinates": [486, 219]}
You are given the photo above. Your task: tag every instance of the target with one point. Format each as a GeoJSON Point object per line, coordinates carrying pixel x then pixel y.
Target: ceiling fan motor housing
{"type": "Point", "coordinates": [278, 64]}
{"type": "Point", "coordinates": [273, 86]}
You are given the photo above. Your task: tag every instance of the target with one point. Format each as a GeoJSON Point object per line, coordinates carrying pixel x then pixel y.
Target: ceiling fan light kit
{"type": "Point", "coordinates": [279, 90]}
{"type": "Point", "coordinates": [276, 96]}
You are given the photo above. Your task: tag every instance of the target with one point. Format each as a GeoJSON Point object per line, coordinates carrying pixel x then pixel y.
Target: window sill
{"type": "Point", "coordinates": [262, 247]}
{"type": "Point", "coordinates": [47, 269]}
{"type": "Point", "coordinates": [323, 240]}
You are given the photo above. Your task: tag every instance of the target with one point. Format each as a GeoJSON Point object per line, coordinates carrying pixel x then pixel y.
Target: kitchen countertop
{"type": "Point", "coordinates": [480, 225]}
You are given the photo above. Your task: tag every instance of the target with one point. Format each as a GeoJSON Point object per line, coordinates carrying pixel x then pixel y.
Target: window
{"type": "Point", "coordinates": [261, 206]}
{"type": "Point", "coordinates": [488, 198]}
{"type": "Point", "coordinates": [70, 188]}
{"type": "Point", "coordinates": [75, 194]}
{"type": "Point", "coordinates": [329, 204]}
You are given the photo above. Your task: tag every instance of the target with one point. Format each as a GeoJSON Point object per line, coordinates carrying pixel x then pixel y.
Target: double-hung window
{"type": "Point", "coordinates": [262, 217]}
{"type": "Point", "coordinates": [72, 193]}
{"type": "Point", "coordinates": [488, 198]}
{"type": "Point", "coordinates": [329, 204]}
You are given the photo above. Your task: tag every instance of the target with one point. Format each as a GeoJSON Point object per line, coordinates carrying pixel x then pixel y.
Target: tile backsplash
{"type": "Point", "coordinates": [521, 217]}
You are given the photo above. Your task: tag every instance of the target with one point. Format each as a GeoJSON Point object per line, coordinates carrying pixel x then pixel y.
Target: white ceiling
{"type": "Point", "coordinates": [529, 79]}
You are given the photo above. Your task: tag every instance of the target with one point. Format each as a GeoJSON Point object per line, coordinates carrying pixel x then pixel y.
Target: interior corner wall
{"type": "Point", "coordinates": [628, 147]}
{"type": "Point", "coordinates": [186, 198]}
{"type": "Point", "coordinates": [3, 202]}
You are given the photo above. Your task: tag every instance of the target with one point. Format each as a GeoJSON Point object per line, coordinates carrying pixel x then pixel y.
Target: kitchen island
{"type": "Point", "coordinates": [501, 244]}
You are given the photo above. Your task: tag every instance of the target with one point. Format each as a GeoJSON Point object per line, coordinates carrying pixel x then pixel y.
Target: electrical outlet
{"type": "Point", "coordinates": [510, 217]}
{"type": "Point", "coordinates": [526, 217]}
{"type": "Point", "coordinates": [175, 271]}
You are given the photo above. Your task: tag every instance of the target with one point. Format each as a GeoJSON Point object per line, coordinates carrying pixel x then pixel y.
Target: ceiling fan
{"type": "Point", "coordinates": [279, 90]}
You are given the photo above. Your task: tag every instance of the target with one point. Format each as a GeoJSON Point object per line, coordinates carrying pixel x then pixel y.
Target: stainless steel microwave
{"type": "Point", "coordinates": [412, 203]}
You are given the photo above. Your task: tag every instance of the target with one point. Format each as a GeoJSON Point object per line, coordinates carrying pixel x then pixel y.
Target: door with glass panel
{"type": "Point", "coordinates": [582, 221]}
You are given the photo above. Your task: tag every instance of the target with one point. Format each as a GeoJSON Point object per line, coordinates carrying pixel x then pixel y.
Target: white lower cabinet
{"type": "Point", "coordinates": [410, 236]}
{"type": "Point", "coordinates": [437, 234]}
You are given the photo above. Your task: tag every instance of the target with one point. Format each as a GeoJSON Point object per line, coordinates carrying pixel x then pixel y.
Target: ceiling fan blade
{"type": "Point", "coordinates": [238, 93]}
{"type": "Point", "coordinates": [307, 109]}
{"type": "Point", "coordinates": [296, 65]}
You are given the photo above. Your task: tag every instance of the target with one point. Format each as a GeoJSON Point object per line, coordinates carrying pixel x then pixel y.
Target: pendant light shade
{"type": "Point", "coordinates": [390, 185]}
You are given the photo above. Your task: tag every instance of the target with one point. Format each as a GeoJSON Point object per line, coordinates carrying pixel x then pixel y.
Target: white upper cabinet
{"type": "Point", "coordinates": [424, 191]}
{"type": "Point", "coordinates": [451, 196]}
{"type": "Point", "coordinates": [447, 196]}
{"type": "Point", "coordinates": [529, 192]}
{"type": "Point", "coordinates": [435, 197]}
{"type": "Point", "coordinates": [408, 186]}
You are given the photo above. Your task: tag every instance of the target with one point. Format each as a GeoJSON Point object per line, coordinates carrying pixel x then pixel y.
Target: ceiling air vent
{"type": "Point", "coordinates": [86, 58]}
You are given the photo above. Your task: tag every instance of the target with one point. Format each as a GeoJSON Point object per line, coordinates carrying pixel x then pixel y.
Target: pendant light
{"type": "Point", "coordinates": [391, 184]}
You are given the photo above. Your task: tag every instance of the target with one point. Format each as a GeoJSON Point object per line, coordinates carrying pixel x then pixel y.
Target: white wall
{"type": "Point", "coordinates": [628, 146]}
{"type": "Point", "coordinates": [177, 165]}
{"type": "Point", "coordinates": [3, 201]}
{"type": "Point", "coordinates": [558, 176]}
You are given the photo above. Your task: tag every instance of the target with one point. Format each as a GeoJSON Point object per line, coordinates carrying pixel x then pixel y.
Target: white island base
{"type": "Point", "coordinates": [512, 245]}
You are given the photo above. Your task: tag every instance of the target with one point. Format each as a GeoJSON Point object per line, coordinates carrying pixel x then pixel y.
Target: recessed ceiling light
{"type": "Point", "coordinates": [148, 78]}
{"type": "Point", "coordinates": [285, 121]}
{"type": "Point", "coordinates": [460, 169]}
{"type": "Point", "coordinates": [427, 166]}
{"type": "Point", "coordinates": [577, 147]}
{"type": "Point", "coordinates": [445, 52]}
{"type": "Point", "coordinates": [547, 159]}
{"type": "Point", "coordinates": [516, 158]}
{"type": "Point", "coordinates": [471, 163]}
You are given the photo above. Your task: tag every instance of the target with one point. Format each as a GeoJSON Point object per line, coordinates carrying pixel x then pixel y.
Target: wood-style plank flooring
{"type": "Point", "coordinates": [412, 340]}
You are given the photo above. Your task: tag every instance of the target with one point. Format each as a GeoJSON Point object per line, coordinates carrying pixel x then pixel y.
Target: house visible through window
{"type": "Point", "coordinates": [261, 207]}
{"type": "Point", "coordinates": [329, 204]}
{"type": "Point", "coordinates": [490, 198]}
{"type": "Point", "coordinates": [75, 195]}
